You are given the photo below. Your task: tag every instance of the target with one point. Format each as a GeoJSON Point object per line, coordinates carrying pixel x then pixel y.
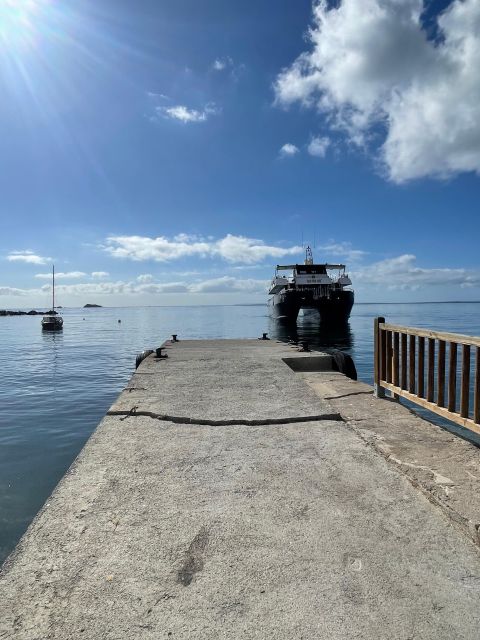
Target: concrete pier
{"type": "Point", "coordinates": [228, 494]}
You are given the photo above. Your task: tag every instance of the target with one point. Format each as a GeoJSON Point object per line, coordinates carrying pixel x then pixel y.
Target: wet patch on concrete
{"type": "Point", "coordinates": [194, 558]}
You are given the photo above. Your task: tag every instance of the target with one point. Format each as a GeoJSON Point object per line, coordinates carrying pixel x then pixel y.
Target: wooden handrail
{"type": "Point", "coordinates": [458, 338]}
{"type": "Point", "coordinates": [412, 363]}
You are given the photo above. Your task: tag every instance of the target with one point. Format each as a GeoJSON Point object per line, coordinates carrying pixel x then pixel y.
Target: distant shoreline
{"type": "Point", "coordinates": [35, 312]}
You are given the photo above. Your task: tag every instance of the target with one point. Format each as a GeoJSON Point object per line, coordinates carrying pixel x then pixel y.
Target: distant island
{"type": "Point", "coordinates": [90, 306]}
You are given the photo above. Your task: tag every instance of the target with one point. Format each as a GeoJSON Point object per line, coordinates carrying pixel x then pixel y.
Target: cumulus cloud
{"type": "Point", "coordinates": [342, 250]}
{"type": "Point", "coordinates": [186, 115]}
{"type": "Point", "coordinates": [144, 278]}
{"type": "Point", "coordinates": [100, 274]}
{"type": "Point", "coordinates": [220, 64]}
{"type": "Point", "coordinates": [60, 275]}
{"type": "Point", "coordinates": [227, 284]}
{"type": "Point", "coordinates": [13, 291]}
{"type": "Point", "coordinates": [224, 284]}
{"type": "Point", "coordinates": [288, 150]}
{"type": "Point", "coordinates": [371, 67]}
{"type": "Point", "coordinates": [27, 256]}
{"type": "Point", "coordinates": [318, 146]}
{"type": "Point", "coordinates": [233, 249]}
{"type": "Point", "coordinates": [402, 272]}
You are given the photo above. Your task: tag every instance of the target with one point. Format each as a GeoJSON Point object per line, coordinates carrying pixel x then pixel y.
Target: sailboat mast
{"type": "Point", "coordinates": [53, 287]}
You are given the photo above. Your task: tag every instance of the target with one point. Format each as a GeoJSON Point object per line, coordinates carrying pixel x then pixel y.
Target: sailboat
{"type": "Point", "coordinates": [51, 321]}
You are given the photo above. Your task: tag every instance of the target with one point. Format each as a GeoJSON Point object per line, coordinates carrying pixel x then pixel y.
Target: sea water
{"type": "Point", "coordinates": [56, 387]}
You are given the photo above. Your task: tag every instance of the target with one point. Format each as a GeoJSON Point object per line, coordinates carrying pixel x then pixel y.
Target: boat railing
{"type": "Point", "coordinates": [412, 363]}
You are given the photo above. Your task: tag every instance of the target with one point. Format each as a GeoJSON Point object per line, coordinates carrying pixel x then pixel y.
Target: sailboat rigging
{"type": "Point", "coordinates": [51, 321]}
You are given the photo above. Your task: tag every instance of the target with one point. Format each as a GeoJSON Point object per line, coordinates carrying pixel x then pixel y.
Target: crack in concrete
{"type": "Point", "coordinates": [134, 412]}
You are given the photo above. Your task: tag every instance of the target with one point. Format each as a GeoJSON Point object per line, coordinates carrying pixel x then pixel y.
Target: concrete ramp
{"type": "Point", "coordinates": [167, 529]}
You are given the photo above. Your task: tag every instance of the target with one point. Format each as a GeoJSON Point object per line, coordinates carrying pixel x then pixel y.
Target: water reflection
{"type": "Point", "coordinates": [319, 335]}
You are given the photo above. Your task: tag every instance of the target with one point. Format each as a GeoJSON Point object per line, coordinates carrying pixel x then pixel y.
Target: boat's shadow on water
{"type": "Point", "coordinates": [309, 328]}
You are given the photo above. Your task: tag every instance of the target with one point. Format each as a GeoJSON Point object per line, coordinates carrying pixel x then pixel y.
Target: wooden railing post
{"type": "Point", "coordinates": [465, 384]}
{"type": "Point", "coordinates": [403, 377]}
{"type": "Point", "coordinates": [431, 370]}
{"type": "Point", "coordinates": [421, 368]}
{"type": "Point", "coordinates": [396, 361]}
{"type": "Point", "coordinates": [476, 388]}
{"type": "Point", "coordinates": [452, 377]}
{"type": "Point", "coordinates": [411, 364]}
{"type": "Point", "coordinates": [379, 391]}
{"type": "Point", "coordinates": [389, 356]}
{"type": "Point", "coordinates": [441, 374]}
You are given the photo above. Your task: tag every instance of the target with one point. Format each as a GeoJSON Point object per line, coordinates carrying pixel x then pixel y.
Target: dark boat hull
{"type": "Point", "coordinates": [54, 325]}
{"type": "Point", "coordinates": [334, 308]}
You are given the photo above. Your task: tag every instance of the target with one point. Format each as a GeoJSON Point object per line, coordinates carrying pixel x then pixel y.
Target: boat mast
{"type": "Point", "coordinates": [53, 287]}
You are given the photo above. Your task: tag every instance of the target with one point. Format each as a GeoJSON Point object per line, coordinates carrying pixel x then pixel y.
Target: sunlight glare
{"type": "Point", "coordinates": [18, 20]}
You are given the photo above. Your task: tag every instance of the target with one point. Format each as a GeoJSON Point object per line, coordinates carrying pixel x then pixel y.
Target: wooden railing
{"type": "Point", "coordinates": [411, 363]}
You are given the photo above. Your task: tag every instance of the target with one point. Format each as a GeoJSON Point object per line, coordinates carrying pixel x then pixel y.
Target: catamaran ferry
{"type": "Point", "coordinates": [324, 287]}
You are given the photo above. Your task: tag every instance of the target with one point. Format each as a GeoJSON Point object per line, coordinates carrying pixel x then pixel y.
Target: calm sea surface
{"type": "Point", "coordinates": [55, 388]}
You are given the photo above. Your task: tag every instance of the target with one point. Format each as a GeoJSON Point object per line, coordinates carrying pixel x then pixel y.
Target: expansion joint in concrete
{"type": "Point", "coordinates": [134, 412]}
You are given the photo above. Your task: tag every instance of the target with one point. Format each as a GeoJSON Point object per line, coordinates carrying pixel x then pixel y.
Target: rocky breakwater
{"type": "Point", "coordinates": [33, 312]}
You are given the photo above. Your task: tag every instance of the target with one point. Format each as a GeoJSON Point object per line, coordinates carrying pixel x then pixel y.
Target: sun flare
{"type": "Point", "coordinates": [18, 20]}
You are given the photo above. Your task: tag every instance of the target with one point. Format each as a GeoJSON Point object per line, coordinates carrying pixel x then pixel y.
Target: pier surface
{"type": "Point", "coordinates": [226, 495]}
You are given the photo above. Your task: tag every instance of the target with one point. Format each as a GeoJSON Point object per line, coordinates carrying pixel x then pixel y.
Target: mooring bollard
{"type": "Point", "coordinates": [174, 337]}
{"type": "Point", "coordinates": [264, 336]}
{"type": "Point", "coordinates": [159, 354]}
{"type": "Point", "coordinates": [304, 346]}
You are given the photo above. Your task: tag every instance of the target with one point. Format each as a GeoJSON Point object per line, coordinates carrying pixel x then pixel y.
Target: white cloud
{"type": "Point", "coordinates": [13, 291]}
{"type": "Point", "coordinates": [371, 67]}
{"type": "Point", "coordinates": [186, 115]}
{"type": "Point", "coordinates": [220, 64]}
{"type": "Point", "coordinates": [402, 272]}
{"type": "Point", "coordinates": [100, 274]}
{"type": "Point", "coordinates": [234, 249]}
{"type": "Point", "coordinates": [27, 256]}
{"type": "Point", "coordinates": [288, 150]}
{"type": "Point", "coordinates": [228, 284]}
{"type": "Point", "coordinates": [144, 278]}
{"type": "Point", "coordinates": [342, 250]}
{"type": "Point", "coordinates": [60, 275]}
{"type": "Point", "coordinates": [399, 273]}
{"type": "Point", "coordinates": [223, 284]}
{"type": "Point", "coordinates": [318, 146]}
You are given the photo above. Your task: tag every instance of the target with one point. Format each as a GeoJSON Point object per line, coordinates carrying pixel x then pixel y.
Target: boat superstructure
{"type": "Point", "coordinates": [51, 321]}
{"type": "Point", "coordinates": [324, 287]}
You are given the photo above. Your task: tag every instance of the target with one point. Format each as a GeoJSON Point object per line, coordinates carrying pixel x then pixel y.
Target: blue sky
{"type": "Point", "coordinates": [173, 152]}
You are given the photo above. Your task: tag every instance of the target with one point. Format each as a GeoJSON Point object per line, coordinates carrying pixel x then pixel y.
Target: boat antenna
{"type": "Point", "coordinates": [308, 256]}
{"type": "Point", "coordinates": [302, 240]}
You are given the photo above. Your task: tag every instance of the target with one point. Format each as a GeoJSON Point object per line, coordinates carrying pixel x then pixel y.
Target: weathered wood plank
{"type": "Point", "coordinates": [441, 374]}
{"type": "Point", "coordinates": [388, 336]}
{"type": "Point", "coordinates": [431, 406]}
{"type": "Point", "coordinates": [465, 384]}
{"type": "Point", "coordinates": [421, 367]}
{"type": "Point", "coordinates": [476, 389]}
{"type": "Point", "coordinates": [431, 370]}
{"type": "Point", "coordinates": [396, 358]}
{"type": "Point", "coordinates": [411, 362]}
{"type": "Point", "coordinates": [437, 335]}
{"type": "Point", "coordinates": [452, 377]}
{"type": "Point", "coordinates": [403, 381]}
